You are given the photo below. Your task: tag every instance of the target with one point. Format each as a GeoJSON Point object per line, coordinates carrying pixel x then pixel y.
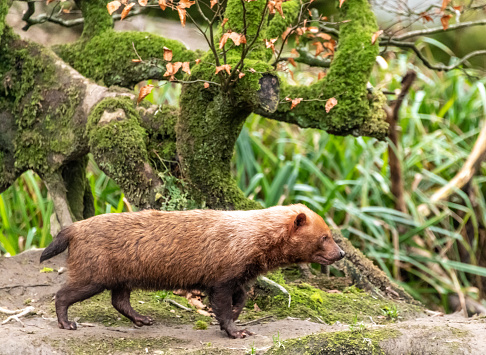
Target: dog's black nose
{"type": "Point", "coordinates": [342, 254]}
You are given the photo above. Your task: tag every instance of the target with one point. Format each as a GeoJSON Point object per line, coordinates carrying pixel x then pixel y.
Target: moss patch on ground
{"type": "Point", "coordinates": [98, 309]}
{"type": "Point", "coordinates": [347, 342]}
{"type": "Point", "coordinates": [106, 345]}
{"type": "Point", "coordinates": [308, 301]}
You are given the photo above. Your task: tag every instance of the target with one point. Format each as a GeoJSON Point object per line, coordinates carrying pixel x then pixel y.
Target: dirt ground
{"type": "Point", "coordinates": [22, 284]}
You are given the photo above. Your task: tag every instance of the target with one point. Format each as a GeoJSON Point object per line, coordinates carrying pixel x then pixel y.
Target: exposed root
{"type": "Point", "coordinates": [365, 274]}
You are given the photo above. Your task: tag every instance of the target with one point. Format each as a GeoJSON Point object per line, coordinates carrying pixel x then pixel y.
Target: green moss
{"type": "Point", "coordinates": [160, 128]}
{"type": "Point", "coordinates": [350, 343]}
{"type": "Point", "coordinates": [98, 309]}
{"type": "Point", "coordinates": [200, 325]}
{"type": "Point", "coordinates": [205, 140]}
{"type": "Point", "coordinates": [107, 57]}
{"type": "Point", "coordinates": [43, 102]}
{"type": "Point", "coordinates": [118, 146]}
{"type": "Point", "coordinates": [278, 24]}
{"type": "Point", "coordinates": [106, 345]}
{"type": "Point", "coordinates": [346, 81]}
{"type": "Point", "coordinates": [97, 20]}
{"type": "Point", "coordinates": [308, 301]}
{"type": "Point", "coordinates": [4, 6]}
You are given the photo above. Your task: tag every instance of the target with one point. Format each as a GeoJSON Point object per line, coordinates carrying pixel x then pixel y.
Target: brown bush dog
{"type": "Point", "coordinates": [215, 251]}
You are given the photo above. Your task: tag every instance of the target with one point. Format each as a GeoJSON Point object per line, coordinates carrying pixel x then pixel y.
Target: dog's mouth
{"type": "Point", "coordinates": [322, 260]}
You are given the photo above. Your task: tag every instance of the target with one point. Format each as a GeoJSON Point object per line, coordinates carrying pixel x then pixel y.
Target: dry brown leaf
{"type": "Point", "coordinates": [49, 1]}
{"type": "Point", "coordinates": [286, 33]}
{"type": "Point", "coordinates": [171, 69]}
{"type": "Point", "coordinates": [213, 2]}
{"type": "Point", "coordinates": [324, 36]}
{"type": "Point", "coordinates": [182, 15]}
{"type": "Point", "coordinates": [126, 10]}
{"type": "Point", "coordinates": [445, 21]}
{"type": "Point", "coordinates": [223, 39]}
{"type": "Point", "coordinates": [167, 54]}
{"type": "Point", "coordinates": [142, 2]}
{"type": "Point", "coordinates": [426, 17]}
{"type": "Point", "coordinates": [136, 60]}
{"type": "Point", "coordinates": [163, 4]}
{"type": "Point", "coordinates": [185, 4]}
{"type": "Point", "coordinates": [225, 67]}
{"type": "Point", "coordinates": [144, 91]}
{"type": "Point", "coordinates": [313, 29]}
{"type": "Point", "coordinates": [278, 7]}
{"type": "Point", "coordinates": [196, 303]}
{"type": "Point", "coordinates": [319, 47]}
{"type": "Point", "coordinates": [198, 61]}
{"type": "Point", "coordinates": [330, 104]}
{"type": "Point", "coordinates": [224, 22]}
{"type": "Point", "coordinates": [270, 43]}
{"type": "Point", "coordinates": [177, 66]}
{"type": "Point", "coordinates": [186, 68]}
{"type": "Point", "coordinates": [291, 74]}
{"type": "Point", "coordinates": [251, 70]}
{"type": "Point", "coordinates": [203, 312]}
{"type": "Point", "coordinates": [237, 38]}
{"type": "Point", "coordinates": [457, 8]}
{"type": "Point", "coordinates": [271, 7]}
{"type": "Point", "coordinates": [375, 36]}
{"type": "Point", "coordinates": [295, 102]}
{"type": "Point", "coordinates": [240, 75]}
{"type": "Point", "coordinates": [294, 52]}
{"type": "Point", "coordinates": [321, 75]}
{"type": "Point", "coordinates": [444, 4]}
{"type": "Point", "coordinates": [341, 2]}
{"type": "Point", "coordinates": [256, 308]}
{"type": "Point", "coordinates": [330, 45]}
{"type": "Point", "coordinates": [292, 61]}
{"type": "Point", "coordinates": [206, 85]}
{"type": "Point", "coordinates": [113, 6]}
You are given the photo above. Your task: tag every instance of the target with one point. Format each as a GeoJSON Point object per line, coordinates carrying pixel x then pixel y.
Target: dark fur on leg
{"type": "Point", "coordinates": [239, 300]}
{"type": "Point", "coordinates": [221, 298]}
{"type": "Point", "coordinates": [120, 299]}
{"type": "Point", "coordinates": [70, 294]}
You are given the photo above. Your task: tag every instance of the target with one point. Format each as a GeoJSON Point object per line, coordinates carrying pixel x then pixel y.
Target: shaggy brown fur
{"type": "Point", "coordinates": [216, 251]}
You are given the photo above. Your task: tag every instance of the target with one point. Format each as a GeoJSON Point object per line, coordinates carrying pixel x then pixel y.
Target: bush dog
{"type": "Point", "coordinates": [215, 251]}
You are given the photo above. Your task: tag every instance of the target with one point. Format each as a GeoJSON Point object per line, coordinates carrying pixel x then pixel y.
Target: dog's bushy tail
{"type": "Point", "coordinates": [58, 245]}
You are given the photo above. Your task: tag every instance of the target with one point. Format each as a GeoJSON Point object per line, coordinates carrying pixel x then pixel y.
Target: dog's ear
{"type": "Point", "coordinates": [299, 221]}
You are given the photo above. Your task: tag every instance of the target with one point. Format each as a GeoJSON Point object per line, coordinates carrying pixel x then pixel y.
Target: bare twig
{"type": "Point", "coordinates": [178, 305]}
{"type": "Point", "coordinates": [439, 29]}
{"type": "Point", "coordinates": [22, 312]}
{"type": "Point", "coordinates": [394, 161]}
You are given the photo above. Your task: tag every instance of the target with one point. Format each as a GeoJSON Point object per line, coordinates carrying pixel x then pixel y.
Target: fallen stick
{"type": "Point", "coordinates": [23, 312]}
{"type": "Point", "coordinates": [178, 305]}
